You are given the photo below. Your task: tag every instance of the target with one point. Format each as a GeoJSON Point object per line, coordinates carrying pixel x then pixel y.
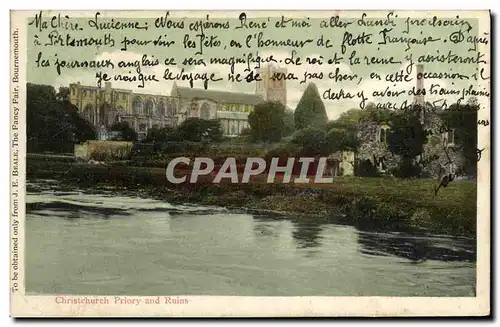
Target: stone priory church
{"type": "Point", "coordinates": [105, 106]}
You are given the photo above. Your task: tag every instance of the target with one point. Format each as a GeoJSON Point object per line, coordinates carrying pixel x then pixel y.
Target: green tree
{"type": "Point", "coordinates": [52, 123]}
{"type": "Point", "coordinates": [462, 119]}
{"type": "Point", "coordinates": [406, 139]}
{"type": "Point", "coordinates": [313, 141]}
{"type": "Point", "coordinates": [267, 121]}
{"type": "Point", "coordinates": [213, 130]}
{"type": "Point", "coordinates": [289, 123]}
{"type": "Point", "coordinates": [158, 134]}
{"type": "Point", "coordinates": [198, 130]}
{"type": "Point", "coordinates": [127, 132]}
{"type": "Point", "coordinates": [63, 93]}
{"type": "Point", "coordinates": [340, 139]}
{"type": "Point", "coordinates": [310, 111]}
{"type": "Point", "coordinates": [349, 118]}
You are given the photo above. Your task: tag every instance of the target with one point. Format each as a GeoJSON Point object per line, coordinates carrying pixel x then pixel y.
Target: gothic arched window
{"type": "Point", "coordinates": [137, 106]}
{"type": "Point", "coordinates": [383, 132]}
{"type": "Point", "coordinates": [205, 111]}
{"type": "Point", "coordinates": [150, 107]}
{"type": "Point", "coordinates": [88, 113]}
{"type": "Point", "coordinates": [161, 108]}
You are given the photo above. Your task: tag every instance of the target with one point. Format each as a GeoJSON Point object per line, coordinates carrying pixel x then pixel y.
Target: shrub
{"type": "Point", "coordinates": [108, 150]}
{"type": "Point", "coordinates": [313, 141]}
{"type": "Point", "coordinates": [365, 168]}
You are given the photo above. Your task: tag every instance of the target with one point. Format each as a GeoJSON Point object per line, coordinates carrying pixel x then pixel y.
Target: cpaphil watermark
{"type": "Point", "coordinates": [253, 166]}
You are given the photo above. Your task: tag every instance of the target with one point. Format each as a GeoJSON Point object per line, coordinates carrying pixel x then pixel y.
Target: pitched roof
{"type": "Point", "coordinates": [219, 96]}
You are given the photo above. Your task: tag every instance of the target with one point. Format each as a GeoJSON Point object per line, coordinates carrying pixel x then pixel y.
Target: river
{"type": "Point", "coordinates": [82, 242]}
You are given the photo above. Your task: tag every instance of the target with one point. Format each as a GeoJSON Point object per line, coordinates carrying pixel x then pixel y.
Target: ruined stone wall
{"type": "Point", "coordinates": [433, 160]}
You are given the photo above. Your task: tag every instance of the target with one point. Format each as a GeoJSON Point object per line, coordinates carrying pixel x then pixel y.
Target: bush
{"type": "Point", "coordinates": [365, 168]}
{"type": "Point", "coordinates": [313, 141]}
{"type": "Point", "coordinates": [108, 150]}
{"type": "Point", "coordinates": [407, 169]}
{"type": "Point", "coordinates": [152, 149]}
{"type": "Point", "coordinates": [198, 130]}
{"type": "Point", "coordinates": [283, 150]}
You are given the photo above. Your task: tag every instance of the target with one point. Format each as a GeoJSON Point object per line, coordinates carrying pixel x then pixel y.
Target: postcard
{"type": "Point", "coordinates": [249, 163]}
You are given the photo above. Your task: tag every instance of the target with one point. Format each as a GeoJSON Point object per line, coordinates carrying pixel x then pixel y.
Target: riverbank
{"type": "Point", "coordinates": [385, 203]}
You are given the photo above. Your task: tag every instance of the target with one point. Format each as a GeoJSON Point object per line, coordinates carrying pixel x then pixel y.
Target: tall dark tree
{"type": "Point", "coordinates": [267, 121]}
{"type": "Point", "coordinates": [289, 123]}
{"type": "Point", "coordinates": [310, 111]}
{"type": "Point", "coordinates": [63, 94]}
{"type": "Point", "coordinates": [406, 139]}
{"type": "Point", "coordinates": [52, 122]}
{"type": "Point", "coordinates": [462, 119]}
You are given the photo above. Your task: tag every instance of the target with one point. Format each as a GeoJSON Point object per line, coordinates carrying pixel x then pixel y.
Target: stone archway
{"type": "Point", "coordinates": [150, 107]}
{"type": "Point", "coordinates": [137, 106]}
{"type": "Point", "coordinates": [89, 113]}
{"type": "Point", "coordinates": [104, 112]}
{"type": "Point", "coordinates": [161, 108]}
{"type": "Point", "coordinates": [172, 108]}
{"type": "Point", "coordinates": [114, 116]}
{"type": "Point", "coordinates": [205, 111]}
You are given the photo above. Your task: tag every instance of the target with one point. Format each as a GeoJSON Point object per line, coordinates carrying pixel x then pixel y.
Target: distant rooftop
{"type": "Point", "coordinates": [219, 96]}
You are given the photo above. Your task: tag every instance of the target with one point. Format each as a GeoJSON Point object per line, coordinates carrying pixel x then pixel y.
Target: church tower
{"type": "Point", "coordinates": [272, 86]}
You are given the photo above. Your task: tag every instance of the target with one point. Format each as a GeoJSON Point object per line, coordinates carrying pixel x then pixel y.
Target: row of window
{"type": "Point", "coordinates": [137, 110]}
{"type": "Point", "coordinates": [236, 107]}
{"type": "Point", "coordinates": [116, 96]}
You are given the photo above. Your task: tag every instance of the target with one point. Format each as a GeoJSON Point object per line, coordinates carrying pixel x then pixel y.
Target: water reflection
{"type": "Point", "coordinates": [150, 246]}
{"type": "Point", "coordinates": [416, 248]}
{"type": "Point", "coordinates": [74, 210]}
{"type": "Point", "coordinates": [306, 233]}
{"type": "Point", "coordinates": [51, 199]}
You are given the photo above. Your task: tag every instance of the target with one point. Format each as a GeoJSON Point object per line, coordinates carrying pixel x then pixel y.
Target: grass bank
{"type": "Point", "coordinates": [376, 202]}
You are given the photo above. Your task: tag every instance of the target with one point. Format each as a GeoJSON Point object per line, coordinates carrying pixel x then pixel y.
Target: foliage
{"type": "Point", "coordinates": [407, 168]}
{"type": "Point", "coordinates": [246, 132]}
{"type": "Point", "coordinates": [342, 139]}
{"type": "Point", "coordinates": [285, 149]}
{"type": "Point", "coordinates": [157, 134]}
{"type": "Point", "coordinates": [289, 121]}
{"type": "Point", "coordinates": [310, 111]}
{"type": "Point", "coordinates": [52, 124]}
{"type": "Point", "coordinates": [198, 130]}
{"type": "Point", "coordinates": [349, 119]}
{"type": "Point", "coordinates": [407, 135]}
{"type": "Point", "coordinates": [365, 168]}
{"type": "Point", "coordinates": [108, 150]}
{"type": "Point", "coordinates": [159, 150]}
{"type": "Point", "coordinates": [63, 93]}
{"type": "Point", "coordinates": [377, 115]}
{"type": "Point", "coordinates": [127, 132]}
{"type": "Point", "coordinates": [462, 118]}
{"type": "Point", "coordinates": [267, 121]}
{"type": "Point", "coordinates": [313, 141]}
{"type": "Point", "coordinates": [406, 139]}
